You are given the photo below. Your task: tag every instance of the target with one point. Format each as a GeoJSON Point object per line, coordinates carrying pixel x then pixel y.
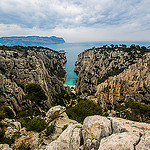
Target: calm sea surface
{"type": "Point", "coordinates": [74, 49]}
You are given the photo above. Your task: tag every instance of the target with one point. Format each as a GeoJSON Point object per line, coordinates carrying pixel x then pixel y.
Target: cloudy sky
{"type": "Point", "coordinates": [77, 20]}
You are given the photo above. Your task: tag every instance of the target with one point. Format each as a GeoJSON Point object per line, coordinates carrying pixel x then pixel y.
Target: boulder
{"type": "Point", "coordinates": [122, 125]}
{"type": "Point", "coordinates": [5, 147]}
{"type": "Point", "coordinates": [54, 112]}
{"type": "Point", "coordinates": [70, 139]}
{"type": "Point", "coordinates": [94, 129]}
{"type": "Point", "coordinates": [119, 141]}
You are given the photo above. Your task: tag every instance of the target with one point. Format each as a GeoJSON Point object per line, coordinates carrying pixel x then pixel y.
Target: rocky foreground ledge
{"type": "Point", "coordinates": [96, 133]}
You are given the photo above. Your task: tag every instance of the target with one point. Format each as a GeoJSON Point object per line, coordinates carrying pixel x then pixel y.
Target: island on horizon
{"type": "Point", "coordinates": [30, 40]}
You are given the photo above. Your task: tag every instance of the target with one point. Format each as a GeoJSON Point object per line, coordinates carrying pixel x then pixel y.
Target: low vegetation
{"type": "Point", "coordinates": [36, 124]}
{"type": "Point", "coordinates": [83, 109]}
{"type": "Point", "coordinates": [134, 111]}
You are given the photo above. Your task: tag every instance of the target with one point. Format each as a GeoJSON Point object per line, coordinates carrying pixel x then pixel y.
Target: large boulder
{"type": "Point", "coordinates": [54, 112]}
{"type": "Point", "coordinates": [119, 141]}
{"type": "Point", "coordinates": [122, 125]}
{"type": "Point", "coordinates": [94, 129]}
{"type": "Point", "coordinates": [70, 139]}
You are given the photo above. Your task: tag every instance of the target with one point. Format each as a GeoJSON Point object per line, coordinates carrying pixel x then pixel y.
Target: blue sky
{"type": "Point", "coordinates": [76, 20]}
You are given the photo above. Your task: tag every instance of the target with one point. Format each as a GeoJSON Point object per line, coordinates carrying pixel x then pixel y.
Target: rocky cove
{"type": "Point", "coordinates": [114, 78]}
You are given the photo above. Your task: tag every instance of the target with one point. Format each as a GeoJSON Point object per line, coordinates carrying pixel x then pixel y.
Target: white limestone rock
{"type": "Point", "coordinates": [54, 112]}
{"type": "Point", "coordinates": [70, 139]}
{"type": "Point", "coordinates": [94, 129]}
{"type": "Point", "coordinates": [120, 141]}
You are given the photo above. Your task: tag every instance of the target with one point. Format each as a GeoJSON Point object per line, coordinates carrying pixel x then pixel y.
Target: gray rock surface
{"type": "Point", "coordinates": [54, 112]}
{"type": "Point", "coordinates": [132, 83]}
{"type": "Point", "coordinates": [94, 129]}
{"type": "Point", "coordinates": [5, 147]}
{"type": "Point", "coordinates": [70, 139]}
{"type": "Point", "coordinates": [121, 141]}
{"type": "Point", "coordinates": [23, 65]}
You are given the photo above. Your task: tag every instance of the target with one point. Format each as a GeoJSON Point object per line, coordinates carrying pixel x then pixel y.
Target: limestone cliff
{"type": "Point", "coordinates": [95, 65]}
{"type": "Point", "coordinates": [117, 79]}
{"type": "Point", "coordinates": [22, 65]}
{"type": "Point", "coordinates": [132, 83]}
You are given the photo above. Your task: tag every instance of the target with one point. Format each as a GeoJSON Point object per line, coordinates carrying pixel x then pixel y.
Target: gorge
{"type": "Point", "coordinates": [113, 82]}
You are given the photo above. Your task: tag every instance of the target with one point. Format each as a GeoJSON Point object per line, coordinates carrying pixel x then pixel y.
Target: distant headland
{"type": "Point", "coordinates": [30, 40]}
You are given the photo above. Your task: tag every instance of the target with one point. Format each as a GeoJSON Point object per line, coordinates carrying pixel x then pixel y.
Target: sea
{"type": "Point", "coordinates": [74, 49]}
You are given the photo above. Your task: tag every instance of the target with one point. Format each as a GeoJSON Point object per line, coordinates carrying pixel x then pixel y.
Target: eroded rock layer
{"type": "Point", "coordinates": [132, 83]}
{"type": "Point", "coordinates": [22, 65]}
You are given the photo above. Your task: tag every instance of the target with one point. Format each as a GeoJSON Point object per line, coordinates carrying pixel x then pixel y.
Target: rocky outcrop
{"type": "Point", "coordinates": [69, 140]}
{"type": "Point", "coordinates": [132, 83]}
{"type": "Point", "coordinates": [22, 65]}
{"type": "Point", "coordinates": [54, 112]}
{"type": "Point", "coordinates": [96, 133]}
{"type": "Point", "coordinates": [104, 133]}
{"type": "Point", "coordinates": [95, 65]}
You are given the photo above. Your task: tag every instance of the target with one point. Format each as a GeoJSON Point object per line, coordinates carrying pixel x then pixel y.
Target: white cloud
{"type": "Point", "coordinates": [76, 20]}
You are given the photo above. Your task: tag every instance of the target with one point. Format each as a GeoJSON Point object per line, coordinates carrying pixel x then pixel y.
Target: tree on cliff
{"type": "Point", "coordinates": [35, 95]}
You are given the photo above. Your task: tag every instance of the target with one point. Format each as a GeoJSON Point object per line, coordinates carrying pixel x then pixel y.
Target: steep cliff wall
{"type": "Point", "coordinates": [132, 83]}
{"type": "Point", "coordinates": [95, 65]}
{"type": "Point", "coordinates": [22, 65]}
{"type": "Point", "coordinates": [120, 77]}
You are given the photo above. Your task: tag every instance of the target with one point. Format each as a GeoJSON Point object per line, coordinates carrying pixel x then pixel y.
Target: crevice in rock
{"type": "Point", "coordinates": [111, 125]}
{"type": "Point", "coordinates": [135, 144]}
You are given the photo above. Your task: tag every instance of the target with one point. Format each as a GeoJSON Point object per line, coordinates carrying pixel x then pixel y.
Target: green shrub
{"type": "Point", "coordinates": [36, 124]}
{"type": "Point", "coordinates": [23, 146]}
{"type": "Point", "coordinates": [35, 93]}
{"type": "Point", "coordinates": [51, 129]}
{"type": "Point", "coordinates": [83, 109]}
{"type": "Point", "coordinates": [138, 110]}
{"type": "Point", "coordinates": [5, 140]}
{"type": "Point", "coordinates": [5, 112]}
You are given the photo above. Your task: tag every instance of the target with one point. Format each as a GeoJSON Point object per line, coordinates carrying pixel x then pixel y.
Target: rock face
{"type": "Point", "coordinates": [95, 65]}
{"type": "Point", "coordinates": [69, 140]}
{"type": "Point", "coordinates": [22, 65]}
{"type": "Point", "coordinates": [94, 129]}
{"type": "Point", "coordinates": [104, 133]}
{"type": "Point", "coordinates": [132, 83]}
{"type": "Point", "coordinates": [54, 112]}
{"type": "Point", "coordinates": [119, 141]}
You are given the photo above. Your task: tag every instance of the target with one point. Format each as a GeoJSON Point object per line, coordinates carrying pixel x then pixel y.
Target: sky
{"type": "Point", "coordinates": [77, 20]}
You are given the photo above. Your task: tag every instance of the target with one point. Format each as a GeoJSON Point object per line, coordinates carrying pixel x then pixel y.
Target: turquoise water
{"type": "Point", "coordinates": [74, 49]}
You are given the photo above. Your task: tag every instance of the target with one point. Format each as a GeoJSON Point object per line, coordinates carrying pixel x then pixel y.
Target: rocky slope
{"type": "Point", "coordinates": [30, 40]}
{"type": "Point", "coordinates": [22, 65]}
{"type": "Point", "coordinates": [95, 65]}
{"type": "Point", "coordinates": [96, 133]}
{"type": "Point", "coordinates": [117, 75]}
{"type": "Point", "coordinates": [132, 83]}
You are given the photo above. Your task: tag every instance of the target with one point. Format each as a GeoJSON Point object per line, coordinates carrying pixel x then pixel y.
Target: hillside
{"type": "Point", "coordinates": [30, 40]}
